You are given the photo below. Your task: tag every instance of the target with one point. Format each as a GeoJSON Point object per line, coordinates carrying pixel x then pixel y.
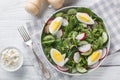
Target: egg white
{"type": "Point", "coordinates": [91, 21]}
{"type": "Point", "coordinates": [90, 62]}
{"type": "Point", "coordinates": [58, 63]}
{"type": "Point", "coordinates": [60, 19]}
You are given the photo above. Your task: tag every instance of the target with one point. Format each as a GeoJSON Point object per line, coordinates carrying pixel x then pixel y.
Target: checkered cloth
{"type": "Point", "coordinates": [117, 5]}
{"type": "Point", "coordinates": [108, 10]}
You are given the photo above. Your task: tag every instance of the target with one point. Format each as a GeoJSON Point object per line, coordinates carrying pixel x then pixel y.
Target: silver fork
{"type": "Point", "coordinates": [27, 39]}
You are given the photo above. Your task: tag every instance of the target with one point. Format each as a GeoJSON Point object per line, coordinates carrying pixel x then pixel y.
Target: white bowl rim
{"type": "Point", "coordinates": [73, 74]}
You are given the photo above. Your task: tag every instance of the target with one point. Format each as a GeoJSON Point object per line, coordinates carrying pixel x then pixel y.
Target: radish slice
{"type": "Point", "coordinates": [104, 53]}
{"type": "Point", "coordinates": [47, 28]}
{"type": "Point", "coordinates": [84, 48]}
{"type": "Point", "coordinates": [65, 22]}
{"type": "Point", "coordinates": [95, 65]}
{"type": "Point", "coordinates": [76, 57]}
{"type": "Point", "coordinates": [81, 36]}
{"type": "Point", "coordinates": [87, 53]}
{"type": "Point", "coordinates": [62, 68]}
{"type": "Point", "coordinates": [59, 33]}
{"type": "Point", "coordinates": [49, 21]}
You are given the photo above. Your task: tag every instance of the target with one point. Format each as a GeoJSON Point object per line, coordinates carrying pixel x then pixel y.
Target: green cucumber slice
{"type": "Point", "coordinates": [48, 37]}
{"type": "Point", "coordinates": [105, 37]}
{"type": "Point", "coordinates": [81, 69]}
{"type": "Point", "coordinates": [74, 70]}
{"type": "Point", "coordinates": [72, 11]}
{"type": "Point", "coordinates": [87, 53]}
{"type": "Point", "coordinates": [47, 42]}
{"type": "Point", "coordinates": [60, 14]}
{"type": "Point", "coordinates": [82, 43]}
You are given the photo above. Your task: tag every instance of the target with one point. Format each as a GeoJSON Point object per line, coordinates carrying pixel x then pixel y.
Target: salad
{"type": "Point", "coordinates": [75, 40]}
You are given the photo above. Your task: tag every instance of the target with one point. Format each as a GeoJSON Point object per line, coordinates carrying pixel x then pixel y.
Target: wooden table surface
{"type": "Point", "coordinates": [13, 15]}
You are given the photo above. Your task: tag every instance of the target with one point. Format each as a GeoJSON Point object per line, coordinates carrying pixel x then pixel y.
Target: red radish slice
{"type": "Point", "coordinates": [84, 48]}
{"type": "Point", "coordinates": [104, 53]}
{"type": "Point", "coordinates": [49, 21]}
{"type": "Point", "coordinates": [47, 29]}
{"type": "Point", "coordinates": [95, 65]}
{"type": "Point", "coordinates": [59, 33]}
{"type": "Point", "coordinates": [47, 26]}
{"type": "Point", "coordinates": [62, 68]}
{"type": "Point", "coordinates": [76, 57]}
{"type": "Point", "coordinates": [81, 36]}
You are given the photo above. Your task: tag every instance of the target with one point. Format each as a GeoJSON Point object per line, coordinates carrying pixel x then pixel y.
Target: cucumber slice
{"type": "Point", "coordinates": [60, 14]}
{"type": "Point", "coordinates": [82, 43]}
{"type": "Point", "coordinates": [72, 11]}
{"type": "Point", "coordinates": [74, 70]}
{"type": "Point", "coordinates": [48, 37]}
{"type": "Point", "coordinates": [48, 42]}
{"type": "Point", "coordinates": [105, 37]}
{"type": "Point", "coordinates": [81, 69]}
{"type": "Point", "coordinates": [87, 53]}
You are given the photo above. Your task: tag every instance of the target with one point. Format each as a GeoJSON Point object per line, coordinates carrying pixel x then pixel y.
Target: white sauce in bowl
{"type": "Point", "coordinates": [11, 59]}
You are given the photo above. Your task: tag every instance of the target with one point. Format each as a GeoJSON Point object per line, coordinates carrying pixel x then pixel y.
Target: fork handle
{"type": "Point", "coordinates": [45, 71]}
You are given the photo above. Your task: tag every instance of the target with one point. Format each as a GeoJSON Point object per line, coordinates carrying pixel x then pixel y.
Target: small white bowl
{"type": "Point", "coordinates": [20, 63]}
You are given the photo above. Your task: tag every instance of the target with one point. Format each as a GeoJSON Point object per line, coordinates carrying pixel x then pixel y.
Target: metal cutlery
{"type": "Point", "coordinates": [27, 39]}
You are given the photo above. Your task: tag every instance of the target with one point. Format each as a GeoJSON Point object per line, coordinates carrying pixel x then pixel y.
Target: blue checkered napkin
{"type": "Point", "coordinates": [106, 10]}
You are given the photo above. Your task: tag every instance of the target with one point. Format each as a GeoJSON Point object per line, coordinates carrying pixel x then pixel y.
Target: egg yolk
{"type": "Point", "coordinates": [84, 18]}
{"type": "Point", "coordinates": [55, 26]}
{"type": "Point", "coordinates": [95, 56]}
{"type": "Point", "coordinates": [57, 56]}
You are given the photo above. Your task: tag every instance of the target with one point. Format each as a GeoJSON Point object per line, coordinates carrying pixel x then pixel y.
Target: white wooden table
{"type": "Point", "coordinates": [13, 15]}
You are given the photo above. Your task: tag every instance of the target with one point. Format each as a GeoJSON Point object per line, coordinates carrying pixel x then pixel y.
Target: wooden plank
{"type": "Point", "coordinates": [102, 73]}
{"type": "Point", "coordinates": [29, 73]}
{"type": "Point", "coordinates": [14, 10]}
{"type": "Point", "coordinates": [24, 73]}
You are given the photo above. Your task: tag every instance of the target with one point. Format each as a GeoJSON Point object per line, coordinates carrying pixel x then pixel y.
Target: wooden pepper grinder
{"type": "Point", "coordinates": [56, 3]}
{"type": "Point", "coordinates": [33, 6]}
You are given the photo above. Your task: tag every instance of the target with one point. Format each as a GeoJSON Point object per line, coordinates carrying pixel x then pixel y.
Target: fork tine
{"type": "Point", "coordinates": [24, 33]}
{"type": "Point", "coordinates": [21, 33]}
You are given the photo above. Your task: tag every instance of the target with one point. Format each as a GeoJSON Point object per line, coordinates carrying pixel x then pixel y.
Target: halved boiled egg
{"type": "Point", "coordinates": [85, 18]}
{"type": "Point", "coordinates": [94, 57]}
{"type": "Point", "coordinates": [57, 57]}
{"type": "Point", "coordinates": [55, 25]}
